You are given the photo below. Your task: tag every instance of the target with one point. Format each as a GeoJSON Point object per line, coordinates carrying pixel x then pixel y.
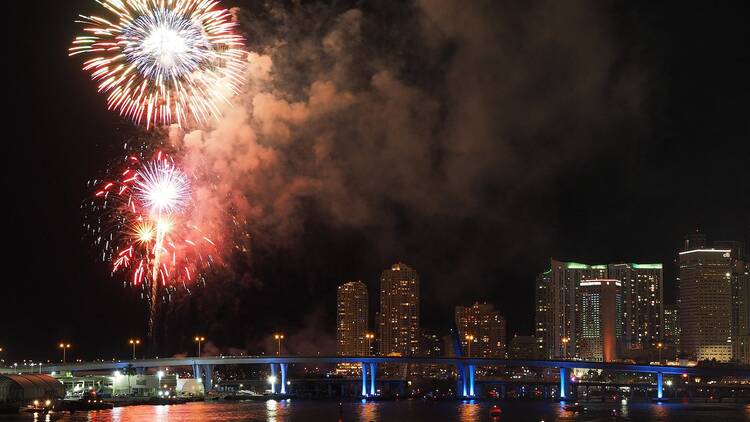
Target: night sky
{"type": "Point", "coordinates": [591, 131]}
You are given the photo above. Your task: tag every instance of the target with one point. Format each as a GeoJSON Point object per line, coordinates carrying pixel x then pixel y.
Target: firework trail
{"type": "Point", "coordinates": [163, 61]}
{"type": "Point", "coordinates": [140, 221]}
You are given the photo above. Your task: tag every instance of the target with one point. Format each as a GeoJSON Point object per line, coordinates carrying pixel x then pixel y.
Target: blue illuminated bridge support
{"type": "Point", "coordinates": [373, 371]}
{"type": "Point", "coordinates": [368, 389]}
{"type": "Point", "coordinates": [466, 375]}
{"type": "Point", "coordinates": [284, 367]}
{"type": "Point", "coordinates": [208, 377]}
{"type": "Point", "coordinates": [364, 379]}
{"type": "Point", "coordinates": [564, 380]}
{"type": "Point", "coordinates": [659, 385]}
{"type": "Point", "coordinates": [206, 374]}
{"type": "Point", "coordinates": [472, 369]}
{"type": "Point", "coordinates": [273, 378]}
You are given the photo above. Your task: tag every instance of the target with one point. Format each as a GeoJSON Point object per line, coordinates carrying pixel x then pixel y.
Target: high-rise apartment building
{"type": "Point", "coordinates": [522, 347]}
{"type": "Point", "coordinates": [671, 326]}
{"type": "Point", "coordinates": [543, 319]}
{"type": "Point", "coordinates": [642, 304]}
{"type": "Point", "coordinates": [399, 311]}
{"type": "Point", "coordinates": [599, 319]}
{"type": "Point", "coordinates": [484, 327]}
{"type": "Point", "coordinates": [740, 280]}
{"type": "Point", "coordinates": [705, 307]}
{"type": "Point", "coordinates": [556, 307]}
{"type": "Point", "coordinates": [351, 319]}
{"type": "Point", "coordinates": [564, 281]}
{"type": "Point", "coordinates": [431, 344]}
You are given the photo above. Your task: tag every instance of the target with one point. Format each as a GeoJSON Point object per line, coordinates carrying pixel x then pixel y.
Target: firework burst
{"type": "Point", "coordinates": [163, 61]}
{"type": "Point", "coordinates": [140, 220]}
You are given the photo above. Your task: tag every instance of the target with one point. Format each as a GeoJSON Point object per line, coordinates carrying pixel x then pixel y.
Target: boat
{"type": "Point", "coordinates": [495, 411]}
{"type": "Point", "coordinates": [88, 402]}
{"type": "Point", "coordinates": [40, 406]}
{"type": "Point", "coordinates": [575, 408]}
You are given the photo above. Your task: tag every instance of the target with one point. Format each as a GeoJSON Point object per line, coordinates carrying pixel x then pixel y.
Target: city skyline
{"type": "Point", "coordinates": [353, 301]}
{"type": "Point", "coordinates": [606, 145]}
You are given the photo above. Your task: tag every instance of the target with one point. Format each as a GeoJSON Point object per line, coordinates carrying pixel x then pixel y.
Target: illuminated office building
{"type": "Point", "coordinates": [599, 320]}
{"type": "Point", "coordinates": [351, 319]}
{"type": "Point", "coordinates": [705, 306]}
{"type": "Point", "coordinates": [399, 311]}
{"type": "Point", "coordinates": [484, 327]}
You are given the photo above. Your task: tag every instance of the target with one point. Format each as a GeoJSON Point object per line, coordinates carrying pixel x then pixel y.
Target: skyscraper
{"type": "Point", "coordinates": [671, 326]}
{"type": "Point", "coordinates": [522, 347]}
{"type": "Point", "coordinates": [486, 326]}
{"type": "Point", "coordinates": [563, 286]}
{"type": "Point", "coordinates": [599, 319]}
{"type": "Point", "coordinates": [740, 279]}
{"type": "Point", "coordinates": [399, 311]}
{"type": "Point", "coordinates": [543, 319]}
{"type": "Point", "coordinates": [642, 304]}
{"type": "Point", "coordinates": [351, 319]}
{"type": "Point", "coordinates": [705, 304]}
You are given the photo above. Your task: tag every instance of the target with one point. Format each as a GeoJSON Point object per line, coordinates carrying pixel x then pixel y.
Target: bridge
{"type": "Point", "coordinates": [466, 367]}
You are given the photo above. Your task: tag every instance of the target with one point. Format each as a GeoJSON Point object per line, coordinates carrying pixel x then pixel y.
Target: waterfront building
{"type": "Point", "coordinates": [352, 319]}
{"type": "Point", "coordinates": [671, 326]}
{"type": "Point", "coordinates": [543, 318]}
{"type": "Point", "coordinates": [484, 327]}
{"type": "Point", "coordinates": [399, 311]}
{"type": "Point", "coordinates": [564, 281]}
{"type": "Point", "coordinates": [705, 284]}
{"type": "Point", "coordinates": [740, 281]}
{"type": "Point", "coordinates": [599, 320]}
{"type": "Point", "coordinates": [522, 347]}
{"type": "Point", "coordinates": [642, 305]}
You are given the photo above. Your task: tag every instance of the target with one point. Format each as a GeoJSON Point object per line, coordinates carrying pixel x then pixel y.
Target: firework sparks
{"type": "Point", "coordinates": [142, 226]}
{"type": "Point", "coordinates": [163, 61]}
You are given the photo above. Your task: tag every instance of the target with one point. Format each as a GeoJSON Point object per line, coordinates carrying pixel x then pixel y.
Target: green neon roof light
{"type": "Point", "coordinates": [647, 266]}
{"type": "Point", "coordinates": [599, 267]}
{"type": "Point", "coordinates": [576, 266]}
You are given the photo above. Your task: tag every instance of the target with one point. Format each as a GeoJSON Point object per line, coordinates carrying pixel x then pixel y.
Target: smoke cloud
{"type": "Point", "coordinates": [431, 118]}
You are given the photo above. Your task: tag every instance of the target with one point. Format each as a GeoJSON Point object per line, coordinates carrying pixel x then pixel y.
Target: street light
{"type": "Point", "coordinates": [134, 342]}
{"type": "Point", "coordinates": [660, 346]}
{"type": "Point", "coordinates": [64, 347]}
{"type": "Point", "coordinates": [278, 337]}
{"type": "Point", "coordinates": [199, 340]}
{"type": "Point", "coordinates": [565, 341]}
{"type": "Point", "coordinates": [469, 339]}
{"type": "Point", "coordinates": [369, 337]}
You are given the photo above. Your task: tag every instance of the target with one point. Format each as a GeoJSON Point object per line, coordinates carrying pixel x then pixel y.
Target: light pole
{"type": "Point", "coordinates": [469, 340]}
{"type": "Point", "coordinates": [134, 342]}
{"type": "Point", "coordinates": [659, 346]}
{"type": "Point", "coordinates": [369, 337]}
{"type": "Point", "coordinates": [565, 341]}
{"type": "Point", "coordinates": [64, 347]}
{"type": "Point", "coordinates": [199, 340]}
{"type": "Point", "coordinates": [278, 337]}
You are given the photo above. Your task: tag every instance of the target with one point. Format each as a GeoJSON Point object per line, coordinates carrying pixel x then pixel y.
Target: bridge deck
{"type": "Point", "coordinates": [450, 361]}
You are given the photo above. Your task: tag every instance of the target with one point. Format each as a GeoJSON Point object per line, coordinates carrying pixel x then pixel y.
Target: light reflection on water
{"type": "Point", "coordinates": [369, 412]}
{"type": "Point", "coordinates": [399, 411]}
{"type": "Point", "coordinates": [469, 411]}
